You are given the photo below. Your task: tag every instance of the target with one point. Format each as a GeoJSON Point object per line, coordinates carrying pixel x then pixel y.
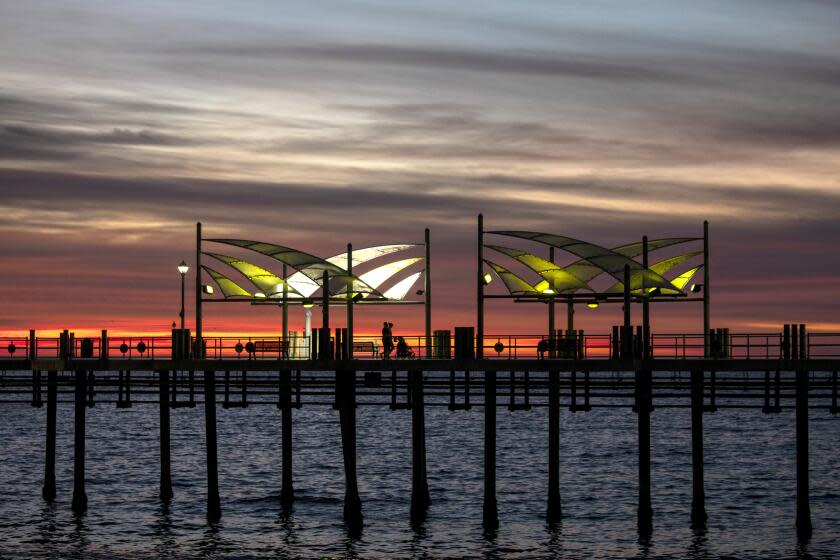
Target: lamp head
{"type": "Point", "coordinates": [307, 304]}
{"type": "Point", "coordinates": [592, 305]}
{"type": "Point", "coordinates": [548, 291]}
{"type": "Point", "coordinates": [183, 268]}
{"type": "Point", "coordinates": [208, 289]}
{"type": "Point", "coordinates": [487, 278]}
{"type": "Point", "coordinates": [696, 288]}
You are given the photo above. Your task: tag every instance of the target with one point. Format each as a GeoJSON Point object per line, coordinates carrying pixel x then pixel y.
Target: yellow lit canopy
{"type": "Point", "coordinates": [228, 287]}
{"type": "Point", "coordinates": [399, 290]}
{"type": "Point", "coordinates": [556, 278]}
{"type": "Point", "coordinates": [513, 282]}
{"type": "Point", "coordinates": [268, 283]}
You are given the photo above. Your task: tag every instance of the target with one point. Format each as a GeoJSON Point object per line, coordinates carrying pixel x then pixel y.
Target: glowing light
{"type": "Point", "coordinates": [487, 278]}
{"type": "Point", "coordinates": [548, 291]}
{"type": "Point", "coordinates": [208, 289]}
{"type": "Point", "coordinates": [592, 305]}
{"type": "Point", "coordinates": [259, 295]}
{"type": "Point", "coordinates": [183, 268]}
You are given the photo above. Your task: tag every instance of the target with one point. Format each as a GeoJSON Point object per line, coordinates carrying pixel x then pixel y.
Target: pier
{"type": "Point", "coordinates": [771, 374]}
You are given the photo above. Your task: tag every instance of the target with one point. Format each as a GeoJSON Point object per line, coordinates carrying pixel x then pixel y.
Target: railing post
{"type": "Point", "coordinates": [33, 345]}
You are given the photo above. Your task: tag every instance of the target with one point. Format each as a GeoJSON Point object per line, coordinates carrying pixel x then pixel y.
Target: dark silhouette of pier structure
{"type": "Point", "coordinates": [629, 367]}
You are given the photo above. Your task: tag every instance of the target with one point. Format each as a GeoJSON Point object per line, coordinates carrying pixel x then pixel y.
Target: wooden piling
{"type": "Point", "coordinates": [48, 490]}
{"type": "Point", "coordinates": [643, 402]}
{"type": "Point", "coordinates": [554, 509]}
{"type": "Point", "coordinates": [803, 507]}
{"type": "Point", "coordinates": [698, 493]}
{"type": "Point", "coordinates": [490, 508]}
{"type": "Point", "coordinates": [79, 504]}
{"type": "Point", "coordinates": [214, 508]}
{"type": "Point", "coordinates": [287, 491]}
{"type": "Point", "coordinates": [165, 456]}
{"type": "Point", "coordinates": [420, 499]}
{"type": "Point", "coordinates": [346, 388]}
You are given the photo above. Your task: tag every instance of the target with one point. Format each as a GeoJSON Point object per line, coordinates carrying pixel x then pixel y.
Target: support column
{"type": "Point", "coordinates": [490, 509]}
{"type": "Point", "coordinates": [479, 337]}
{"type": "Point", "coordinates": [346, 387]}
{"type": "Point", "coordinates": [706, 291]}
{"type": "Point", "coordinates": [287, 491]}
{"type": "Point", "coordinates": [165, 462]}
{"type": "Point", "coordinates": [80, 404]}
{"type": "Point", "coordinates": [420, 499]}
{"type": "Point", "coordinates": [198, 352]}
{"type": "Point", "coordinates": [214, 508]}
{"type": "Point", "coordinates": [553, 512]}
{"type": "Point", "coordinates": [698, 493]}
{"type": "Point", "coordinates": [48, 490]}
{"type": "Point", "coordinates": [348, 343]}
{"type": "Point", "coordinates": [552, 330]}
{"type": "Point", "coordinates": [643, 398]}
{"type": "Point", "coordinates": [427, 308]}
{"type": "Point", "coordinates": [645, 302]}
{"type": "Point", "coordinates": [803, 507]}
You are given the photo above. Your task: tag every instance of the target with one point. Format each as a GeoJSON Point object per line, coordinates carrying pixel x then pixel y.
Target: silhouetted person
{"type": "Point", "coordinates": [387, 339]}
{"type": "Point", "coordinates": [542, 348]}
{"type": "Point", "coordinates": [403, 350]}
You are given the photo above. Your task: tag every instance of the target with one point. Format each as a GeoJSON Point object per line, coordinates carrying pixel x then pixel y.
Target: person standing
{"type": "Point", "coordinates": [387, 339]}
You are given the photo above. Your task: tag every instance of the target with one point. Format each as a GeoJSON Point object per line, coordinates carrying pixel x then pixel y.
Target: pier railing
{"type": "Point", "coordinates": [577, 345]}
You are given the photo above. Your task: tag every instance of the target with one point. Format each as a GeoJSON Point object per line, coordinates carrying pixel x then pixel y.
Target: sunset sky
{"type": "Point", "coordinates": [314, 124]}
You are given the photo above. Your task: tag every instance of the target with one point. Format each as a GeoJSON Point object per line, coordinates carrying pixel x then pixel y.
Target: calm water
{"type": "Point", "coordinates": [749, 478]}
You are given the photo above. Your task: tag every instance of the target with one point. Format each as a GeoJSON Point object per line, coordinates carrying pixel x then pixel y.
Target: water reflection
{"type": "Point", "coordinates": [80, 537]}
{"type": "Point", "coordinates": [166, 541]}
{"type": "Point", "coordinates": [699, 547]}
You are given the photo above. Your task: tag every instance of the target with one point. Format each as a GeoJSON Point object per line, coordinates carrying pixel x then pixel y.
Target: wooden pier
{"type": "Point", "coordinates": [790, 382]}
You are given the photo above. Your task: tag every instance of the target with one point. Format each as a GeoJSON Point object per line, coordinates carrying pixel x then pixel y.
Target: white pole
{"type": "Point", "coordinates": [308, 323]}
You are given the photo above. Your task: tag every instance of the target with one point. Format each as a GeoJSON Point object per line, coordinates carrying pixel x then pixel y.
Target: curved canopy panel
{"type": "Point", "coordinates": [365, 254]}
{"type": "Point", "coordinates": [381, 274]}
{"type": "Point", "coordinates": [268, 283]}
{"type": "Point", "coordinates": [660, 267]}
{"type": "Point", "coordinates": [339, 284]}
{"type": "Point", "coordinates": [609, 261]}
{"type": "Point", "coordinates": [514, 283]}
{"type": "Point", "coordinates": [557, 279]}
{"type": "Point", "coordinates": [587, 271]}
{"type": "Point", "coordinates": [310, 265]}
{"type": "Point", "coordinates": [399, 290]}
{"type": "Point", "coordinates": [228, 287]}
{"type": "Point", "coordinates": [683, 279]}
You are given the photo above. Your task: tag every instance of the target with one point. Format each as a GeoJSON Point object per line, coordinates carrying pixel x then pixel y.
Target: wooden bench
{"type": "Point", "coordinates": [364, 347]}
{"type": "Point", "coordinates": [279, 347]}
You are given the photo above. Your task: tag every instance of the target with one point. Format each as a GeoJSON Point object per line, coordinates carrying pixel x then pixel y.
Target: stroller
{"type": "Point", "coordinates": [403, 349]}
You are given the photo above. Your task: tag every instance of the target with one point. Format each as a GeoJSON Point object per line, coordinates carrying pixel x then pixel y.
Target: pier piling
{"type": "Point", "coordinates": [48, 490]}
{"type": "Point", "coordinates": [287, 491]}
{"type": "Point", "coordinates": [643, 406]}
{"type": "Point", "coordinates": [698, 493]}
{"type": "Point", "coordinates": [554, 509]}
{"type": "Point", "coordinates": [79, 504]}
{"type": "Point", "coordinates": [346, 388]}
{"type": "Point", "coordinates": [165, 462]}
{"type": "Point", "coordinates": [803, 507]}
{"type": "Point", "coordinates": [420, 499]}
{"type": "Point", "coordinates": [490, 508]}
{"type": "Point", "coordinates": [214, 508]}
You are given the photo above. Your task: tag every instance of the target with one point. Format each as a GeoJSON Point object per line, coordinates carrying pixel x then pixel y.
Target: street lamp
{"type": "Point", "coordinates": [182, 269]}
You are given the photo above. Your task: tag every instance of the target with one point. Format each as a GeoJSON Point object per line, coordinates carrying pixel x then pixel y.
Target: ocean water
{"type": "Point", "coordinates": [750, 486]}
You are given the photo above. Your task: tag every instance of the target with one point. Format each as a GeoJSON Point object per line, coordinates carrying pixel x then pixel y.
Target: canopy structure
{"type": "Point", "coordinates": [580, 279]}
{"type": "Point", "coordinates": [306, 279]}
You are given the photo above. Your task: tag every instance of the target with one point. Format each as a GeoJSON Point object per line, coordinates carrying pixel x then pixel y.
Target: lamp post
{"type": "Point", "coordinates": [182, 269]}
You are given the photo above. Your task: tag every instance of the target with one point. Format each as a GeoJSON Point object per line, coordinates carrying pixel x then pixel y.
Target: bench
{"type": "Point", "coordinates": [279, 347]}
{"type": "Point", "coordinates": [364, 347]}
